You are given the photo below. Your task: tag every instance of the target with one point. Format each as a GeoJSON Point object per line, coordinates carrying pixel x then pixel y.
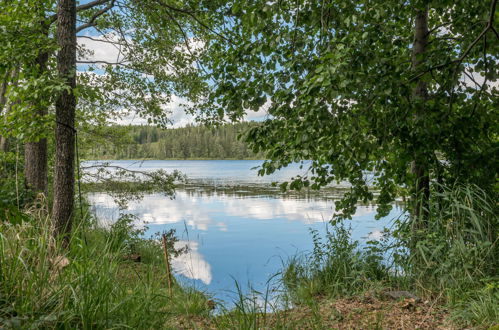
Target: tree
{"type": "Point", "coordinates": [365, 89]}
{"type": "Point", "coordinates": [159, 63]}
{"type": "Point", "coordinates": [65, 120]}
{"type": "Point", "coordinates": [28, 31]}
{"type": "Point", "coordinates": [155, 67]}
{"type": "Point", "coordinates": [20, 45]}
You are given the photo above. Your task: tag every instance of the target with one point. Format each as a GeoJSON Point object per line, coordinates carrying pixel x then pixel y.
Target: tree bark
{"type": "Point", "coordinates": [420, 168]}
{"type": "Point", "coordinates": [35, 153]}
{"type": "Point", "coordinates": [11, 77]}
{"type": "Point", "coordinates": [3, 101]}
{"type": "Point", "coordinates": [64, 178]}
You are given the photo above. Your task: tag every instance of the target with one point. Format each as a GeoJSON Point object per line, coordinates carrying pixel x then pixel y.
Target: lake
{"type": "Point", "coordinates": [234, 232]}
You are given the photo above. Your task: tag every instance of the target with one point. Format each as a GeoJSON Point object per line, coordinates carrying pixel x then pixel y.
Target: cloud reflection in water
{"type": "Point", "coordinates": [235, 234]}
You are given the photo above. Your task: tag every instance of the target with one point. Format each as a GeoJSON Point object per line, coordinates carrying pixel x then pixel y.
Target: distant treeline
{"type": "Point", "coordinates": [190, 142]}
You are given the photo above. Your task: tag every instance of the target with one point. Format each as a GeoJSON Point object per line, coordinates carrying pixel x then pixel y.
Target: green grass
{"type": "Point", "coordinates": [455, 261]}
{"type": "Point", "coordinates": [337, 267]}
{"type": "Point", "coordinates": [98, 289]}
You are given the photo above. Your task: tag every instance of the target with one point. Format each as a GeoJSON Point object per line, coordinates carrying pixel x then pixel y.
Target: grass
{"type": "Point", "coordinates": [97, 289]}
{"type": "Point", "coordinates": [453, 265]}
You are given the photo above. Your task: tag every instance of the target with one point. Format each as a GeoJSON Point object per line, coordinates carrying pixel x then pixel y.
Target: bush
{"type": "Point", "coordinates": [455, 258]}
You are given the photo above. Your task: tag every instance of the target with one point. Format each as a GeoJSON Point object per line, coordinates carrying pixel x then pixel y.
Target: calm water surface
{"type": "Point", "coordinates": [234, 234]}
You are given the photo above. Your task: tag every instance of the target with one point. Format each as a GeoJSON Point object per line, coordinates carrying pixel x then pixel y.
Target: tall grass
{"type": "Point", "coordinates": [457, 255]}
{"type": "Point", "coordinates": [459, 244]}
{"type": "Point", "coordinates": [336, 267]}
{"type": "Point", "coordinates": [97, 289]}
{"type": "Point", "coordinates": [455, 259]}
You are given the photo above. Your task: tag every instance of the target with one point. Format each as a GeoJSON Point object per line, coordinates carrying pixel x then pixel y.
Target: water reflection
{"type": "Point", "coordinates": [201, 209]}
{"type": "Point", "coordinates": [192, 264]}
{"type": "Point", "coordinates": [233, 234]}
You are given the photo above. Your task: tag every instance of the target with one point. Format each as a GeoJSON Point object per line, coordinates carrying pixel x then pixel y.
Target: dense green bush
{"type": "Point", "coordinates": [336, 267]}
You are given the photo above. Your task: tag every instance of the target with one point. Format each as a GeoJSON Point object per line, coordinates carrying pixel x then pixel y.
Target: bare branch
{"type": "Point", "coordinates": [91, 22]}
{"type": "Point", "coordinates": [82, 7]}
{"type": "Point", "coordinates": [489, 26]}
{"type": "Point", "coordinates": [101, 62]}
{"type": "Point", "coordinates": [107, 41]}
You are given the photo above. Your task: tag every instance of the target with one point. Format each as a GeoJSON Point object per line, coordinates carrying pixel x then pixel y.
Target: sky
{"type": "Point", "coordinates": [97, 50]}
{"type": "Point", "coordinates": [102, 51]}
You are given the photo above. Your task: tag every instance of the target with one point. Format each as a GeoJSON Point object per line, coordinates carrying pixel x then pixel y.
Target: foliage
{"type": "Point", "coordinates": [460, 245]}
{"type": "Point", "coordinates": [457, 255]}
{"type": "Point", "coordinates": [24, 37]}
{"type": "Point", "coordinates": [136, 142]}
{"type": "Point", "coordinates": [159, 44]}
{"type": "Point", "coordinates": [13, 194]}
{"type": "Point", "coordinates": [337, 80]}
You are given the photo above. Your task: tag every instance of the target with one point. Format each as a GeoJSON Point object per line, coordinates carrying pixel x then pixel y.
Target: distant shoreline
{"type": "Point", "coordinates": [141, 159]}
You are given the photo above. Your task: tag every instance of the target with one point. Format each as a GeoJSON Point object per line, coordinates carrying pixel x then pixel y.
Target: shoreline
{"type": "Point", "coordinates": [176, 159]}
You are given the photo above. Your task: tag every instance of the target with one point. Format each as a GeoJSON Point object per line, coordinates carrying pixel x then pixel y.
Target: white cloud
{"type": "Point", "coordinates": [476, 80]}
{"type": "Point", "coordinates": [260, 114]}
{"type": "Point", "coordinates": [375, 235]}
{"type": "Point", "coordinates": [158, 209]}
{"type": "Point", "coordinates": [107, 48]}
{"type": "Point", "coordinates": [192, 264]}
{"type": "Point", "coordinates": [177, 115]}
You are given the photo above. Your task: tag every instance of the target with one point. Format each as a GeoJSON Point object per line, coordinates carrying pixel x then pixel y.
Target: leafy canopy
{"type": "Point", "coordinates": [337, 81]}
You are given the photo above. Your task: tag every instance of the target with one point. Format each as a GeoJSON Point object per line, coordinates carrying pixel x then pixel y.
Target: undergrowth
{"type": "Point", "coordinates": [88, 285]}
{"type": "Point", "coordinates": [455, 261]}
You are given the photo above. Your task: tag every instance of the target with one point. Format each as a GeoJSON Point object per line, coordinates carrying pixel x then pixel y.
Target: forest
{"type": "Point", "coordinates": [388, 107]}
{"type": "Point", "coordinates": [190, 142]}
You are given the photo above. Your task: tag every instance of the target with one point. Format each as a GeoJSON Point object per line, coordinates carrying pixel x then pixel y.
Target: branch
{"type": "Point", "coordinates": [489, 26]}
{"type": "Point", "coordinates": [104, 40]}
{"type": "Point", "coordinates": [495, 32]}
{"type": "Point", "coordinates": [438, 27]}
{"type": "Point", "coordinates": [191, 14]}
{"type": "Point", "coordinates": [101, 12]}
{"type": "Point", "coordinates": [180, 10]}
{"type": "Point", "coordinates": [101, 62]}
{"type": "Point", "coordinates": [485, 79]}
{"type": "Point", "coordinates": [82, 7]}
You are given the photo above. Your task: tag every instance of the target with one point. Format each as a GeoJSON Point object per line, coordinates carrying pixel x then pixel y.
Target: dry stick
{"type": "Point", "coordinates": [17, 178]}
{"type": "Point", "coordinates": [167, 262]}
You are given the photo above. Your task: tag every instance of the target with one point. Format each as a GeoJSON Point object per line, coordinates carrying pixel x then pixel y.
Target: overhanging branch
{"type": "Point", "coordinates": [99, 13]}
{"type": "Point", "coordinates": [82, 7]}
{"type": "Point", "coordinates": [458, 61]}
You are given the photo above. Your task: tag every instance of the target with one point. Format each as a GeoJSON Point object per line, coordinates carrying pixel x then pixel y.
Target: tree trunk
{"type": "Point", "coordinates": [11, 77]}
{"type": "Point", "coordinates": [35, 153]}
{"type": "Point", "coordinates": [3, 102]}
{"type": "Point", "coordinates": [3, 144]}
{"type": "Point", "coordinates": [420, 95]}
{"type": "Point", "coordinates": [64, 178]}
{"type": "Point", "coordinates": [35, 166]}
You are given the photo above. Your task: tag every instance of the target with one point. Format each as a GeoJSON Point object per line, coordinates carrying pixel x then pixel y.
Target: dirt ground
{"type": "Point", "coordinates": [364, 312]}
